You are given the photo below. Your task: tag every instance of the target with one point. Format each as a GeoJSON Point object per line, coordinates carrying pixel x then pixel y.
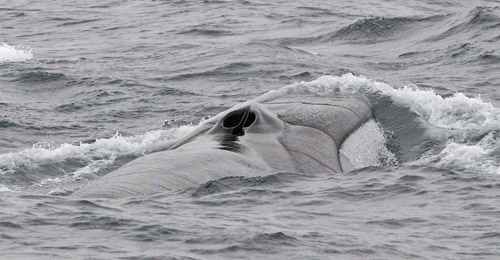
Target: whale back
{"type": "Point", "coordinates": [292, 133]}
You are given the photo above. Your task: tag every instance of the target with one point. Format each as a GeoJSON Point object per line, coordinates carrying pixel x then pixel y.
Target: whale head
{"type": "Point", "coordinates": [291, 133]}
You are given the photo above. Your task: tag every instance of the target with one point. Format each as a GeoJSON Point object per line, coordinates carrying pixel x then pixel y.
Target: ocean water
{"type": "Point", "coordinates": [86, 87]}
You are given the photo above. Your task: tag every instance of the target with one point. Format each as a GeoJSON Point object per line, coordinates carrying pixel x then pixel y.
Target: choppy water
{"type": "Point", "coordinates": [86, 87]}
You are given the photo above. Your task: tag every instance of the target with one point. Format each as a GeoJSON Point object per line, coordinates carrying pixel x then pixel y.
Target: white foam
{"type": "Point", "coordinates": [467, 118]}
{"type": "Point", "coordinates": [4, 188]}
{"type": "Point", "coordinates": [455, 112]}
{"type": "Point", "coordinates": [14, 53]}
{"type": "Point", "coordinates": [476, 157]}
{"type": "Point", "coordinates": [100, 153]}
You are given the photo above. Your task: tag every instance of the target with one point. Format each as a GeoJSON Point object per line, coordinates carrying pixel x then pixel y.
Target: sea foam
{"type": "Point", "coordinates": [100, 153]}
{"type": "Point", "coordinates": [10, 53]}
{"type": "Point", "coordinates": [472, 124]}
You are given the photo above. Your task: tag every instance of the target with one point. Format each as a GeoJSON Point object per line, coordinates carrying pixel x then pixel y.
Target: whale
{"type": "Point", "coordinates": [290, 133]}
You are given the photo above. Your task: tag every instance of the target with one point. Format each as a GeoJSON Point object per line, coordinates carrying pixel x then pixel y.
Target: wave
{"type": "Point", "coordinates": [207, 32]}
{"type": "Point", "coordinates": [377, 27]}
{"type": "Point", "coordinates": [478, 20]}
{"type": "Point", "coordinates": [6, 124]}
{"type": "Point", "coordinates": [368, 30]}
{"type": "Point", "coordinates": [10, 53]}
{"type": "Point", "coordinates": [471, 125]}
{"type": "Point", "coordinates": [79, 22]}
{"type": "Point", "coordinates": [39, 76]}
{"type": "Point", "coordinates": [83, 159]}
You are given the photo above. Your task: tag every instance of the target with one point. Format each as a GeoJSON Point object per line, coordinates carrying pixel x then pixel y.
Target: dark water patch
{"type": "Point", "coordinates": [278, 238]}
{"type": "Point", "coordinates": [71, 107]}
{"type": "Point", "coordinates": [314, 202]}
{"type": "Point", "coordinates": [67, 248]}
{"type": "Point", "coordinates": [294, 21]}
{"type": "Point", "coordinates": [156, 257]}
{"type": "Point", "coordinates": [488, 57]}
{"type": "Point", "coordinates": [207, 32]}
{"type": "Point", "coordinates": [490, 186]}
{"type": "Point", "coordinates": [478, 206]}
{"type": "Point", "coordinates": [60, 19]}
{"type": "Point", "coordinates": [102, 223]}
{"type": "Point", "coordinates": [397, 223]}
{"type": "Point", "coordinates": [208, 239]}
{"type": "Point", "coordinates": [490, 235]}
{"type": "Point", "coordinates": [306, 75]}
{"type": "Point", "coordinates": [79, 22]}
{"type": "Point", "coordinates": [389, 65]}
{"type": "Point", "coordinates": [28, 35]}
{"type": "Point", "coordinates": [480, 18]}
{"type": "Point", "coordinates": [88, 205]}
{"type": "Point", "coordinates": [264, 242]}
{"type": "Point", "coordinates": [377, 28]}
{"type": "Point", "coordinates": [361, 251]}
{"type": "Point", "coordinates": [7, 124]}
{"type": "Point", "coordinates": [374, 192]}
{"type": "Point", "coordinates": [63, 61]}
{"type": "Point", "coordinates": [297, 40]}
{"type": "Point", "coordinates": [185, 46]}
{"type": "Point", "coordinates": [115, 28]}
{"type": "Point", "coordinates": [412, 54]}
{"type": "Point", "coordinates": [230, 201]}
{"type": "Point", "coordinates": [459, 50]}
{"type": "Point", "coordinates": [7, 237]}
{"type": "Point", "coordinates": [39, 77]}
{"type": "Point", "coordinates": [102, 93]}
{"type": "Point", "coordinates": [36, 221]}
{"type": "Point", "coordinates": [166, 91]}
{"type": "Point", "coordinates": [155, 233]}
{"type": "Point", "coordinates": [462, 178]}
{"type": "Point", "coordinates": [485, 15]}
{"type": "Point", "coordinates": [11, 225]}
{"type": "Point", "coordinates": [101, 6]}
{"type": "Point", "coordinates": [411, 178]}
{"type": "Point", "coordinates": [17, 14]}
{"type": "Point", "coordinates": [81, 82]}
{"type": "Point", "coordinates": [226, 70]}
{"type": "Point", "coordinates": [311, 11]}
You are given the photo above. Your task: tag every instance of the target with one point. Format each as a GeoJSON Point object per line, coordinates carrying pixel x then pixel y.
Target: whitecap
{"type": "Point", "coordinates": [102, 152]}
{"type": "Point", "coordinates": [472, 124]}
{"type": "Point", "coordinates": [10, 53]}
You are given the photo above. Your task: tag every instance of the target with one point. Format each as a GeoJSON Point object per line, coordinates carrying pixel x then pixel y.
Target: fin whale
{"type": "Point", "coordinates": [293, 133]}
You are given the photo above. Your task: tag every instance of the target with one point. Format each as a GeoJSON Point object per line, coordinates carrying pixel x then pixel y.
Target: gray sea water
{"type": "Point", "coordinates": [87, 86]}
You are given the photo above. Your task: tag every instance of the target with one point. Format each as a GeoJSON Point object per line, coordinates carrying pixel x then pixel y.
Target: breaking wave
{"type": "Point", "coordinates": [471, 124]}
{"type": "Point", "coordinates": [10, 53]}
{"type": "Point", "coordinates": [83, 160]}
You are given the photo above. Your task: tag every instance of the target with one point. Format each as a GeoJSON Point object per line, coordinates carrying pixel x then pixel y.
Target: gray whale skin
{"type": "Point", "coordinates": [291, 133]}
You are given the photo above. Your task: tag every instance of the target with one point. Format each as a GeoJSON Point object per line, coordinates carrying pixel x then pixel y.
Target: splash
{"type": "Point", "coordinates": [14, 53]}
{"type": "Point", "coordinates": [4, 188]}
{"type": "Point", "coordinates": [101, 153]}
{"type": "Point", "coordinates": [472, 124]}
